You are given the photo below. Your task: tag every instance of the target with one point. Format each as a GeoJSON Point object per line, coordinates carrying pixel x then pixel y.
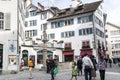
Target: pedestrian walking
{"type": "Point", "coordinates": [30, 64]}
{"type": "Point", "coordinates": [56, 59]}
{"type": "Point", "coordinates": [79, 65]}
{"type": "Point", "coordinates": [74, 71]}
{"type": "Point", "coordinates": [110, 63]}
{"type": "Point", "coordinates": [48, 65]}
{"type": "Point", "coordinates": [22, 64]}
{"type": "Point", "coordinates": [88, 65]}
{"type": "Point", "coordinates": [93, 71]}
{"type": "Point", "coordinates": [52, 67]}
{"type": "Point", "coordinates": [102, 65]}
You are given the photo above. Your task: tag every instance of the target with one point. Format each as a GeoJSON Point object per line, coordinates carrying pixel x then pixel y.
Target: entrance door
{"type": "Point", "coordinates": [69, 58]}
{"type": "Point", "coordinates": [25, 57]}
{"type": "Point", "coordinates": [1, 56]}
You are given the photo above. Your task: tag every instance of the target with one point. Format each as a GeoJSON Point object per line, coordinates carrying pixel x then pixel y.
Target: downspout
{"type": "Point", "coordinates": [94, 37]}
{"type": "Point", "coordinates": [17, 36]}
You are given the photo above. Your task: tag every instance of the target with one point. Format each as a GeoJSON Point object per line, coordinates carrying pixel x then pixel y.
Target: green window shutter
{"type": "Point", "coordinates": [7, 21]}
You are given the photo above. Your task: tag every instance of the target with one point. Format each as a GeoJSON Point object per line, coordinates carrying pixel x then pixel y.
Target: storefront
{"type": "Point", "coordinates": [84, 51]}
{"type": "Point", "coordinates": [68, 55]}
{"type": "Point", "coordinates": [37, 55]}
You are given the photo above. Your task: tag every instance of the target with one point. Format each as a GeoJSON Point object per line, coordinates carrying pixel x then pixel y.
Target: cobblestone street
{"type": "Point", "coordinates": [62, 75]}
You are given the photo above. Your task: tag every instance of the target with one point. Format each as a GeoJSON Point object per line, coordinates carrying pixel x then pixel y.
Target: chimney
{"type": "Point", "coordinates": [76, 3]}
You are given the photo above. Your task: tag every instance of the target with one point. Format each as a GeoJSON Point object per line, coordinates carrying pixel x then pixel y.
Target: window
{"type": "Point", "coordinates": [67, 34]}
{"type": "Point", "coordinates": [33, 22]}
{"type": "Point", "coordinates": [44, 26]}
{"type": "Point", "coordinates": [106, 36]}
{"type": "Point", "coordinates": [26, 24]}
{"type": "Point", "coordinates": [1, 21]}
{"type": "Point", "coordinates": [98, 21]}
{"type": "Point", "coordinates": [68, 46]}
{"type": "Point", "coordinates": [53, 24]}
{"type": "Point", "coordinates": [99, 33]}
{"type": "Point", "coordinates": [34, 32]}
{"type": "Point", "coordinates": [43, 15]}
{"type": "Point", "coordinates": [115, 32]}
{"type": "Point", "coordinates": [85, 19]}
{"type": "Point", "coordinates": [33, 13]}
{"type": "Point", "coordinates": [106, 30]}
{"type": "Point", "coordinates": [62, 23]}
{"type": "Point", "coordinates": [70, 21]}
{"type": "Point", "coordinates": [62, 35]}
{"type": "Point", "coordinates": [52, 36]}
{"type": "Point", "coordinates": [86, 31]}
{"type": "Point", "coordinates": [85, 44]}
{"type": "Point", "coordinates": [27, 14]}
{"type": "Point", "coordinates": [80, 32]}
{"type": "Point", "coordinates": [30, 33]}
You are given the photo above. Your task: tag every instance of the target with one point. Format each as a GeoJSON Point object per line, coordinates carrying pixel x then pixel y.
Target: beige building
{"type": "Point", "coordinates": [113, 41]}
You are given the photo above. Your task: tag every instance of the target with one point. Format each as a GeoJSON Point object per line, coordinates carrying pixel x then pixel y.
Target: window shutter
{"type": "Point", "coordinates": [7, 21]}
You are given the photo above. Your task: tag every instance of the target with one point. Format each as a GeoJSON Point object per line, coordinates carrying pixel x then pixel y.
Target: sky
{"type": "Point", "coordinates": [110, 7]}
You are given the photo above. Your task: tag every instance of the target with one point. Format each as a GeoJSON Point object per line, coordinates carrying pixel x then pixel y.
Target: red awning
{"type": "Point", "coordinates": [71, 52]}
{"type": "Point", "coordinates": [88, 51]}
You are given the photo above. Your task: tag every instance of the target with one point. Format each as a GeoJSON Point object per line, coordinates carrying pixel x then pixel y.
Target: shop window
{"type": "Point", "coordinates": [39, 57]}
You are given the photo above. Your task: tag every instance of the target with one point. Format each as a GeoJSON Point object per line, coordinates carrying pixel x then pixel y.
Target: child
{"type": "Point", "coordinates": [74, 71]}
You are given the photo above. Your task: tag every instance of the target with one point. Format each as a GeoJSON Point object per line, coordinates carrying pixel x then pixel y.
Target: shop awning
{"type": "Point", "coordinates": [68, 52]}
{"type": "Point", "coordinates": [88, 51]}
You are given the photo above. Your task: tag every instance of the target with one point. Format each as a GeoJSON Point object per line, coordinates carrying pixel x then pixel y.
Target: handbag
{"type": "Point", "coordinates": [55, 71]}
{"type": "Point", "coordinates": [93, 73]}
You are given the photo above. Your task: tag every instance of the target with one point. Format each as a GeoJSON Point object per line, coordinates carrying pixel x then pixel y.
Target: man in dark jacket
{"type": "Point", "coordinates": [79, 65]}
{"type": "Point", "coordinates": [52, 66]}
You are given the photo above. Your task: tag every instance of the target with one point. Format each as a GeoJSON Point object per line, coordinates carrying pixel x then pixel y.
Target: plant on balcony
{"type": "Point", "coordinates": [29, 38]}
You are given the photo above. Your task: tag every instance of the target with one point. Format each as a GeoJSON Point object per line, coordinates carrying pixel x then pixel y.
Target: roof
{"type": "Point", "coordinates": [113, 25]}
{"type": "Point", "coordinates": [31, 5]}
{"type": "Point", "coordinates": [82, 9]}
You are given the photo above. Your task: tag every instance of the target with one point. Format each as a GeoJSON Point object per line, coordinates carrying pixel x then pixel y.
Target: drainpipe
{"type": "Point", "coordinates": [94, 37]}
{"type": "Point", "coordinates": [17, 36]}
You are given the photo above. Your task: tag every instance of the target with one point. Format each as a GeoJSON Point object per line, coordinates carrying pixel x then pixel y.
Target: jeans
{"type": "Point", "coordinates": [102, 74]}
{"type": "Point", "coordinates": [87, 73]}
{"type": "Point", "coordinates": [52, 74]}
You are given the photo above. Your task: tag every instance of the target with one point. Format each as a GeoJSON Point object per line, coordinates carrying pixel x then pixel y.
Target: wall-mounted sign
{"type": "Point", "coordinates": [12, 48]}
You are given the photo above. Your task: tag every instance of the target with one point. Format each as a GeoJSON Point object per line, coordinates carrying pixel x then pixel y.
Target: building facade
{"type": "Point", "coordinates": [70, 32]}
{"type": "Point", "coordinates": [113, 42]}
{"type": "Point", "coordinates": [10, 20]}
{"type": "Point", "coordinates": [35, 24]}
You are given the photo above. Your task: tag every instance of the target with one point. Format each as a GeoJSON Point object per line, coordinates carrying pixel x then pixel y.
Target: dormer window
{"type": "Point", "coordinates": [43, 15]}
{"type": "Point", "coordinates": [33, 13]}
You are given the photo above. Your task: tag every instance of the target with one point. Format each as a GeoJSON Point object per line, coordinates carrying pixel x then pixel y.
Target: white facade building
{"type": "Point", "coordinates": [80, 27]}
{"type": "Point", "coordinates": [113, 42]}
{"type": "Point", "coordinates": [9, 45]}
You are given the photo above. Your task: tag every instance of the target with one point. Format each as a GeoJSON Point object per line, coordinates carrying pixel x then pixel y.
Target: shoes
{"type": "Point", "coordinates": [30, 77]}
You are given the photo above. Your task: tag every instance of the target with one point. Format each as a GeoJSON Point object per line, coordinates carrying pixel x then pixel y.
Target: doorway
{"type": "Point", "coordinates": [25, 57]}
{"type": "Point", "coordinates": [1, 56]}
